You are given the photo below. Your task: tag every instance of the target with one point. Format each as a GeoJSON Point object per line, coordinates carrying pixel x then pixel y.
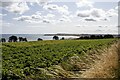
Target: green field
{"type": "Point", "coordinates": [27, 59]}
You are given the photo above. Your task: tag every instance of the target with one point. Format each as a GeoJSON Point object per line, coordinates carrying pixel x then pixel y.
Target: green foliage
{"type": "Point", "coordinates": [23, 60]}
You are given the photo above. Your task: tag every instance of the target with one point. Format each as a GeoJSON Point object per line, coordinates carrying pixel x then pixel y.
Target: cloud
{"type": "Point", "coordinates": [30, 19]}
{"type": "Point", "coordinates": [46, 21]}
{"type": "Point", "coordinates": [98, 30]}
{"type": "Point", "coordinates": [112, 12]}
{"type": "Point", "coordinates": [19, 6]}
{"type": "Point", "coordinates": [37, 18]}
{"type": "Point", "coordinates": [65, 19]}
{"type": "Point", "coordinates": [92, 12]}
{"type": "Point", "coordinates": [85, 13]}
{"type": "Point", "coordinates": [104, 19]}
{"type": "Point", "coordinates": [90, 19]}
{"type": "Point", "coordinates": [100, 26]}
{"type": "Point", "coordinates": [49, 16]}
{"type": "Point", "coordinates": [60, 9]}
{"type": "Point", "coordinates": [6, 3]}
{"type": "Point", "coordinates": [40, 2]}
{"type": "Point", "coordinates": [97, 12]}
{"type": "Point", "coordinates": [15, 6]}
{"type": "Point", "coordinates": [117, 8]}
{"type": "Point", "coordinates": [50, 7]}
{"type": "Point", "coordinates": [84, 4]}
{"type": "Point", "coordinates": [63, 10]}
{"type": "Point", "coordinates": [23, 18]}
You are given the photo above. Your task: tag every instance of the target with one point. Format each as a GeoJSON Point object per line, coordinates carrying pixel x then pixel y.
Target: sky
{"type": "Point", "coordinates": [50, 16]}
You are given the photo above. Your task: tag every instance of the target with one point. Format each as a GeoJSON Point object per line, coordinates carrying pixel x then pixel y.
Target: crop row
{"type": "Point", "coordinates": [21, 59]}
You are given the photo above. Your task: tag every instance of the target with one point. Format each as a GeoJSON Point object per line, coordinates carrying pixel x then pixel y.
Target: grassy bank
{"type": "Point", "coordinates": [107, 66]}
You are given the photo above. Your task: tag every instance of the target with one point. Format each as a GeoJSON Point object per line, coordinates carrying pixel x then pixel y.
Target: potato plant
{"type": "Point", "coordinates": [23, 59]}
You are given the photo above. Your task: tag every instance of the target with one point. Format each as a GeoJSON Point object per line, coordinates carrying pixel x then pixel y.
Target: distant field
{"type": "Point", "coordinates": [28, 59]}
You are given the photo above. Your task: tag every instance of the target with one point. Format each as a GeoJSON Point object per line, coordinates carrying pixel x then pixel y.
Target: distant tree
{"type": "Point", "coordinates": [97, 37]}
{"type": "Point", "coordinates": [3, 40]}
{"type": "Point", "coordinates": [118, 36]}
{"type": "Point", "coordinates": [20, 39]}
{"type": "Point", "coordinates": [55, 37]}
{"type": "Point", "coordinates": [86, 37]}
{"type": "Point", "coordinates": [12, 38]}
{"type": "Point", "coordinates": [100, 36]}
{"type": "Point", "coordinates": [81, 37]}
{"type": "Point", "coordinates": [62, 38]}
{"type": "Point", "coordinates": [25, 39]}
{"type": "Point", "coordinates": [39, 39]}
{"type": "Point", "coordinates": [92, 37]}
{"type": "Point", "coordinates": [108, 36]}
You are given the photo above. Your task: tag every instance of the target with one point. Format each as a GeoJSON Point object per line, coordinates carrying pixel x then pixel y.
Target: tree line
{"type": "Point", "coordinates": [88, 37]}
{"type": "Point", "coordinates": [21, 39]}
{"type": "Point", "coordinates": [17, 39]}
{"type": "Point", "coordinates": [97, 37]}
{"type": "Point", "coordinates": [14, 39]}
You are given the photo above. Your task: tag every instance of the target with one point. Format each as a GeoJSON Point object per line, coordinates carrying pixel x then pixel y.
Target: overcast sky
{"type": "Point", "coordinates": [82, 17]}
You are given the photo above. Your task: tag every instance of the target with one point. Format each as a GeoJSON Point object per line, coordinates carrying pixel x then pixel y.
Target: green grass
{"type": "Point", "coordinates": [21, 59]}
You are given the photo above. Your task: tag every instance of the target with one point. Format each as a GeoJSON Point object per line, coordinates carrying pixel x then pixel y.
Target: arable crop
{"type": "Point", "coordinates": [25, 59]}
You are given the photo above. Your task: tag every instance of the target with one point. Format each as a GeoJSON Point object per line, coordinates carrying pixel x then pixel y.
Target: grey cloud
{"type": "Point", "coordinates": [5, 4]}
{"type": "Point", "coordinates": [90, 19]}
{"type": "Point", "coordinates": [19, 6]}
{"type": "Point", "coordinates": [98, 30]}
{"type": "Point", "coordinates": [100, 26]}
{"type": "Point", "coordinates": [46, 21]}
{"type": "Point", "coordinates": [83, 15]}
{"type": "Point", "coordinates": [23, 18]}
{"type": "Point", "coordinates": [60, 9]}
